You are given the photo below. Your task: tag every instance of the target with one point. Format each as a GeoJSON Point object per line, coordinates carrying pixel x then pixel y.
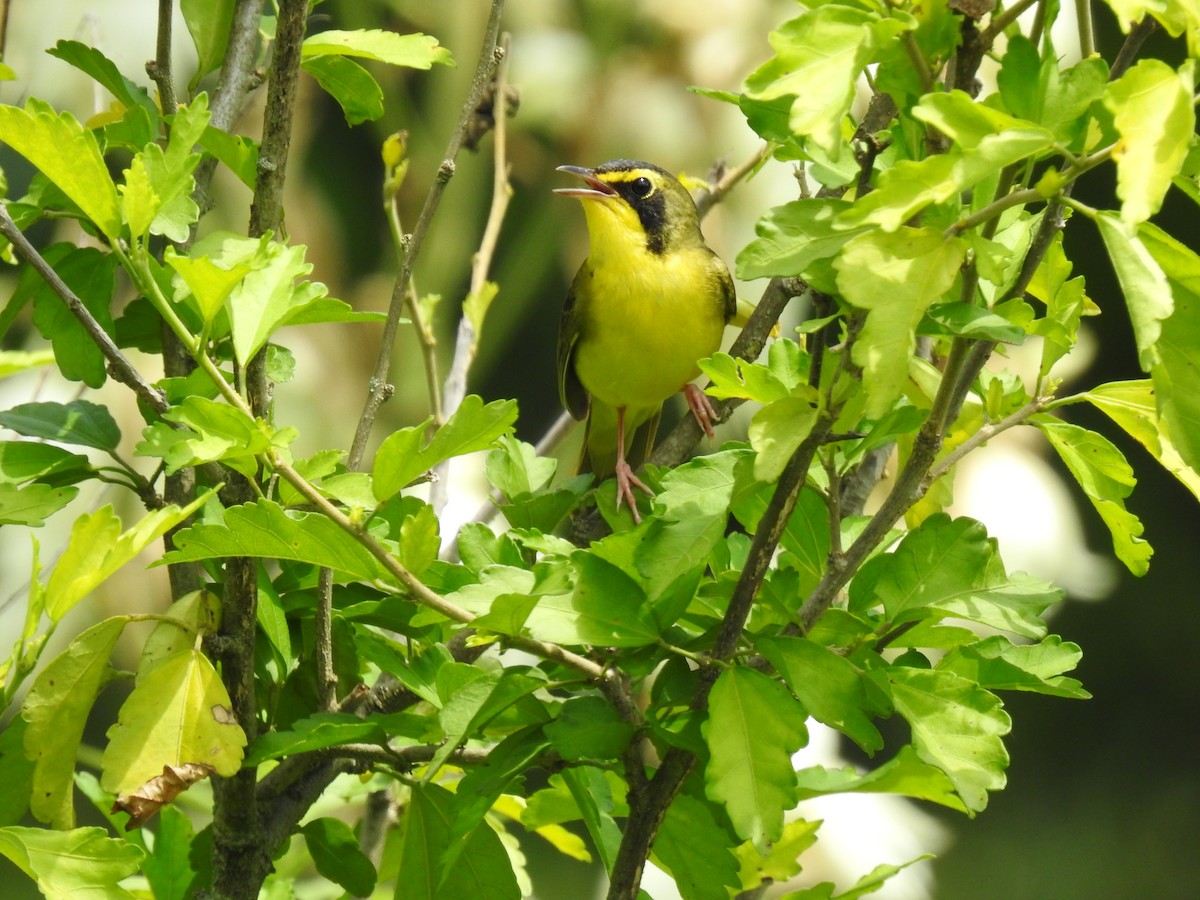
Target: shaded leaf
{"type": "Point", "coordinates": [335, 853]}
{"type": "Point", "coordinates": [56, 710]}
{"type": "Point", "coordinates": [695, 850]}
{"type": "Point", "coordinates": [78, 422]}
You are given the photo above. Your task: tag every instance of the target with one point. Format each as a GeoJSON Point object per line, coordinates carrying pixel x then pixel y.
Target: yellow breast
{"type": "Point", "coordinates": [645, 322]}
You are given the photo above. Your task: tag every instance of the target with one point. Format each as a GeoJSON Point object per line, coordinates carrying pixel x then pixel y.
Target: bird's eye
{"type": "Point", "coordinates": [641, 188]}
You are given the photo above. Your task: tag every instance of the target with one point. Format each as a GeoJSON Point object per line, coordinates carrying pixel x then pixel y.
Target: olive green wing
{"type": "Point", "coordinates": [728, 293]}
{"type": "Point", "coordinates": [570, 390]}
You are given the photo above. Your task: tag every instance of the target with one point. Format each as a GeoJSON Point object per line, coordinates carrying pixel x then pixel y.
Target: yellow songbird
{"type": "Point", "coordinates": [650, 300]}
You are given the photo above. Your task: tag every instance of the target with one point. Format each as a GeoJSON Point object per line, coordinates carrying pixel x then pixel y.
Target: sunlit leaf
{"type": "Point", "coordinates": [895, 277]}
{"type": "Point", "coordinates": [67, 865]}
{"type": "Point", "coordinates": [905, 774]}
{"type": "Point", "coordinates": [1152, 109]}
{"type": "Point", "coordinates": [66, 153]}
{"type": "Point", "coordinates": [416, 51]}
{"type": "Point", "coordinates": [178, 713]}
{"type": "Point", "coordinates": [752, 729]}
{"type": "Point", "coordinates": [957, 726]}
{"type": "Point", "coordinates": [1107, 479]}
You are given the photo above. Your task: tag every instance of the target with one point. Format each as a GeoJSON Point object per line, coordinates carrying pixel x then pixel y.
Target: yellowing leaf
{"type": "Point", "coordinates": [178, 713]}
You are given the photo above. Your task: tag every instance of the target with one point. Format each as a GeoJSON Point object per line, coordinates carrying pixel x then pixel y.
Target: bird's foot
{"type": "Point", "coordinates": [701, 407]}
{"type": "Point", "coordinates": [626, 482]}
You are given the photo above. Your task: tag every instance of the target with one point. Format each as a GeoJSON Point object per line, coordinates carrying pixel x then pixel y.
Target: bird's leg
{"type": "Point", "coordinates": [626, 480]}
{"type": "Point", "coordinates": [701, 407]}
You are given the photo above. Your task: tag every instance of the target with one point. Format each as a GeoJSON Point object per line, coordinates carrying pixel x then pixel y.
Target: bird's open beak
{"type": "Point", "coordinates": [595, 190]}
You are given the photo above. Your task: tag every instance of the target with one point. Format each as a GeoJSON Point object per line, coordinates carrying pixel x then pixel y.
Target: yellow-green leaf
{"type": "Point", "coordinates": [67, 154]}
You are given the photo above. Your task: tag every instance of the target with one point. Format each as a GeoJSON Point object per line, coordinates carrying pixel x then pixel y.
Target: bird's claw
{"type": "Point", "coordinates": [701, 407]}
{"type": "Point", "coordinates": [626, 482]}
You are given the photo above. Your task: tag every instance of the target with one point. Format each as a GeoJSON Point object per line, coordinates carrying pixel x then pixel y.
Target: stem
{"type": "Point", "coordinates": [159, 68]}
{"type": "Point", "coordinates": [1132, 46]}
{"type": "Point", "coordinates": [1087, 37]}
{"type": "Point", "coordinates": [999, 23]}
{"type": "Point", "coordinates": [380, 389]}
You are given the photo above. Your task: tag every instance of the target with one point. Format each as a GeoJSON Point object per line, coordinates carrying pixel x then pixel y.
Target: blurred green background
{"type": "Point", "coordinates": [1103, 800]}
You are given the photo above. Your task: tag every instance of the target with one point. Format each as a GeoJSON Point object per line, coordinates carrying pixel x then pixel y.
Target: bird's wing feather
{"type": "Point", "coordinates": [570, 391]}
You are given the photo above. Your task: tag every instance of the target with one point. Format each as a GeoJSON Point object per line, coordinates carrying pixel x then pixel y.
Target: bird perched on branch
{"type": "Point", "coordinates": [650, 300]}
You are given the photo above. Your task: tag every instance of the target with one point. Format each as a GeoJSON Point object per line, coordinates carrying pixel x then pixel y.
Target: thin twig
{"type": "Point", "coordinates": [467, 339]}
{"type": "Point", "coordinates": [715, 193]}
{"type": "Point", "coordinates": [1132, 46]}
{"type": "Point", "coordinates": [118, 366]}
{"type": "Point", "coordinates": [1087, 37]}
{"type": "Point", "coordinates": [985, 434]}
{"type": "Point", "coordinates": [380, 389]}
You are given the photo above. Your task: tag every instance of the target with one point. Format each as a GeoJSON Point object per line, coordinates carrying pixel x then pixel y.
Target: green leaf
{"type": "Point", "coordinates": [970, 124]}
{"type": "Point", "coordinates": [792, 237]}
{"type": "Point", "coordinates": [179, 712]}
{"type": "Point", "coordinates": [949, 567]}
{"type": "Point", "coordinates": [968, 320]}
{"type": "Point", "coordinates": [475, 703]}
{"type": "Point", "coordinates": [523, 477]}
{"type": "Point", "coordinates": [896, 277]}
{"type": "Point", "coordinates": [98, 547]}
{"type": "Point", "coordinates": [482, 870]}
{"type": "Point", "coordinates": [1131, 404]}
{"type": "Point", "coordinates": [213, 431]}
{"type": "Point", "coordinates": [905, 775]}
{"type": "Point", "coordinates": [56, 710]}
{"type": "Point", "coordinates": [1147, 292]}
{"type": "Point", "coordinates": [1107, 479]}
{"type": "Point", "coordinates": [779, 428]}
{"type": "Point", "coordinates": [168, 869]}
{"type": "Point", "coordinates": [753, 728]}
{"type": "Point", "coordinates": [66, 153]}
{"type": "Point", "coordinates": [416, 51]}
{"type": "Point", "coordinates": [208, 22]}
{"type": "Point", "coordinates": [357, 93]}
{"type": "Point", "coordinates": [237, 152]}
{"type": "Point", "coordinates": [314, 732]}
{"type": "Point", "coordinates": [31, 505]}
{"type": "Point", "coordinates": [78, 422]}
{"type": "Point", "coordinates": [89, 273]}
{"type": "Point", "coordinates": [16, 772]}
{"type": "Point", "coordinates": [695, 850]}
{"type": "Point", "coordinates": [997, 664]}
{"type": "Point", "coordinates": [1152, 111]}
{"type": "Point", "coordinates": [67, 865]}
{"type": "Point", "coordinates": [474, 426]}
{"type": "Point", "coordinates": [589, 728]}
{"type": "Point", "coordinates": [831, 687]}
{"type": "Point", "coordinates": [597, 805]}
{"type": "Point", "coordinates": [104, 71]}
{"type": "Point", "coordinates": [1176, 383]}
{"type": "Point", "coordinates": [264, 529]}
{"type": "Point", "coordinates": [956, 726]}
{"type": "Point", "coordinates": [335, 853]}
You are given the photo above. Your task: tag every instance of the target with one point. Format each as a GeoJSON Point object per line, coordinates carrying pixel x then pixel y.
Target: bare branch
{"type": "Point", "coordinates": [380, 389]}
